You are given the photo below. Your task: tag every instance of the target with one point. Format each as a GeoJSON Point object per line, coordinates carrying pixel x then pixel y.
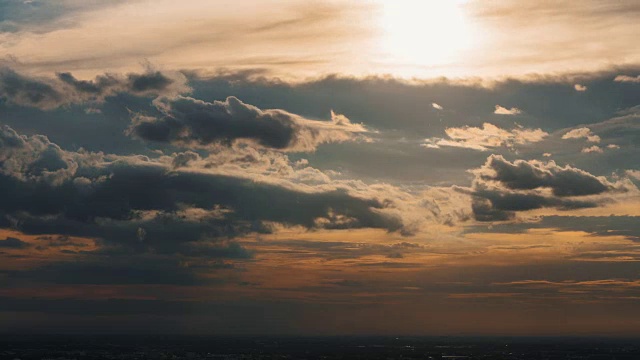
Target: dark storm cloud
{"type": "Point", "coordinates": [483, 210]}
{"type": "Point", "coordinates": [192, 122]}
{"type": "Point", "coordinates": [34, 158]}
{"type": "Point", "coordinates": [23, 90]}
{"type": "Point", "coordinates": [65, 89]}
{"type": "Point", "coordinates": [525, 175]}
{"type": "Point", "coordinates": [96, 86]}
{"type": "Point", "coordinates": [151, 82]}
{"type": "Point", "coordinates": [47, 190]}
{"type": "Point", "coordinates": [501, 188]}
{"type": "Point", "coordinates": [13, 243]}
{"type": "Point", "coordinates": [501, 205]}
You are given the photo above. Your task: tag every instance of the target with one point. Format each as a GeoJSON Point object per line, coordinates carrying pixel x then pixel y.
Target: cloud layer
{"type": "Point", "coordinates": [50, 190]}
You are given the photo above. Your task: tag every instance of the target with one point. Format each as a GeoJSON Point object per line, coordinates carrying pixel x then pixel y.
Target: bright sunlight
{"type": "Point", "coordinates": [424, 33]}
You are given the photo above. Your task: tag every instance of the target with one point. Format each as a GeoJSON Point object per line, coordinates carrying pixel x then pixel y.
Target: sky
{"type": "Point", "coordinates": [323, 167]}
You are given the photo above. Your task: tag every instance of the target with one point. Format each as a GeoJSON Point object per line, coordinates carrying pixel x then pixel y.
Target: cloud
{"type": "Point", "coordinates": [13, 243]}
{"type": "Point", "coordinates": [504, 111]}
{"type": "Point", "coordinates": [488, 136]}
{"type": "Point", "coordinates": [580, 88]}
{"type": "Point", "coordinates": [635, 174]}
{"type": "Point", "coordinates": [437, 106]}
{"type": "Point", "coordinates": [65, 89]}
{"type": "Point", "coordinates": [592, 149]}
{"type": "Point", "coordinates": [627, 226]}
{"type": "Point", "coordinates": [195, 123]}
{"type": "Point", "coordinates": [529, 175]}
{"type": "Point", "coordinates": [33, 158]}
{"type": "Point", "coordinates": [501, 188]}
{"type": "Point", "coordinates": [48, 190]}
{"type": "Point", "coordinates": [627, 79]}
{"type": "Point", "coordinates": [580, 133]}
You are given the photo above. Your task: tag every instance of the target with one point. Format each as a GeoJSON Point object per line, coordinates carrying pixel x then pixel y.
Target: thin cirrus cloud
{"type": "Point", "coordinates": [486, 137]}
{"type": "Point", "coordinates": [296, 41]}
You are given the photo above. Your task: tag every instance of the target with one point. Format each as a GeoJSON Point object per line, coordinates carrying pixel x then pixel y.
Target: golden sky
{"type": "Point", "coordinates": [320, 167]}
{"type": "Point", "coordinates": [297, 40]}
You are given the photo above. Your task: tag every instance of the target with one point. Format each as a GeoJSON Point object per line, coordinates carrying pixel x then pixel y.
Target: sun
{"type": "Point", "coordinates": [423, 32]}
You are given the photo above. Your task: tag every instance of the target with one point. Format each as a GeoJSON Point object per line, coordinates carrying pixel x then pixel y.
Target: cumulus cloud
{"type": "Point", "coordinates": [65, 89]}
{"type": "Point", "coordinates": [592, 149]}
{"type": "Point", "coordinates": [627, 79]}
{"type": "Point", "coordinates": [501, 188]}
{"type": "Point", "coordinates": [33, 158]}
{"type": "Point", "coordinates": [580, 88]}
{"type": "Point", "coordinates": [504, 111]}
{"type": "Point", "coordinates": [581, 133]}
{"type": "Point", "coordinates": [486, 137]}
{"type": "Point", "coordinates": [437, 106]}
{"type": "Point", "coordinates": [528, 175]}
{"type": "Point", "coordinates": [48, 190]}
{"type": "Point", "coordinates": [190, 122]}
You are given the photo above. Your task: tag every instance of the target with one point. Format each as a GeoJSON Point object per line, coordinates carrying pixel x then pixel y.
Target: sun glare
{"type": "Point", "coordinates": [423, 33]}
